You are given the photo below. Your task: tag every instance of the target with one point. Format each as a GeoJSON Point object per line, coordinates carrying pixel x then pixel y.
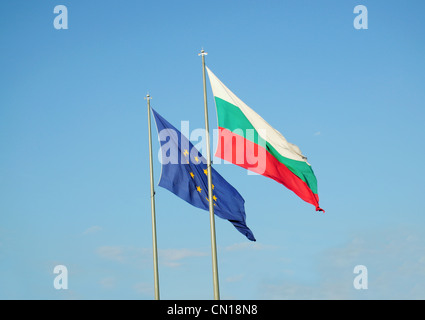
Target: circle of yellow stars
{"type": "Point", "coordinates": [198, 188]}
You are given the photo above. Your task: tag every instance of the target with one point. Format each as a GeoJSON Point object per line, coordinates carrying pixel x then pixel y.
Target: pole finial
{"type": "Point", "coordinates": [203, 53]}
{"type": "Point", "coordinates": [148, 97]}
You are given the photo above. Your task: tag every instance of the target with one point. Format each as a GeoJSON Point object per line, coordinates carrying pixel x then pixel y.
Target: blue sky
{"type": "Point", "coordinates": [74, 171]}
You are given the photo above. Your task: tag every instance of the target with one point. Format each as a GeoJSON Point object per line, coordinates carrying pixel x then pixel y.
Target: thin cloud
{"type": "Point", "coordinates": [108, 282]}
{"type": "Point", "coordinates": [174, 257]}
{"type": "Point", "coordinates": [114, 253]}
{"type": "Point", "coordinates": [144, 288]}
{"type": "Point", "coordinates": [92, 230]}
{"type": "Point", "coordinates": [395, 260]}
{"type": "Point", "coordinates": [136, 256]}
{"type": "Point", "coordinates": [248, 246]}
{"type": "Point", "coordinates": [236, 278]}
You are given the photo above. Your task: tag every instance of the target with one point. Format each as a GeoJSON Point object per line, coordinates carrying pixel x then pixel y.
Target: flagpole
{"type": "Point", "coordinates": [154, 246]}
{"type": "Point", "coordinates": [210, 191]}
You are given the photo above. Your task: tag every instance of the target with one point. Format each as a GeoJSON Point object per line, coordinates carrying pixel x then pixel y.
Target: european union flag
{"type": "Point", "coordinates": [184, 173]}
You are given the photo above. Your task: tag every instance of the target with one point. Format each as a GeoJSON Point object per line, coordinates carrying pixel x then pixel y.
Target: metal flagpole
{"type": "Point", "coordinates": [154, 247]}
{"type": "Point", "coordinates": [210, 191]}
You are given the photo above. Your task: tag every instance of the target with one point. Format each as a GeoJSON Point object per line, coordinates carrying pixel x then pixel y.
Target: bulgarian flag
{"type": "Point", "coordinates": [247, 140]}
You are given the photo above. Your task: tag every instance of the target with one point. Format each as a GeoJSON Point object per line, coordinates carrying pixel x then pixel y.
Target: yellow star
{"type": "Point", "coordinates": [185, 152]}
{"type": "Point", "coordinates": [215, 198]}
{"type": "Point", "coordinates": [198, 188]}
{"type": "Point", "coordinates": [191, 174]}
{"type": "Point", "coordinates": [212, 186]}
{"type": "Point", "coordinates": [206, 171]}
{"type": "Point", "coordinates": [196, 159]}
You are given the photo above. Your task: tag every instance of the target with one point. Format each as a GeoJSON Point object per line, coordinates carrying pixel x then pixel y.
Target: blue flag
{"type": "Point", "coordinates": [184, 173]}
